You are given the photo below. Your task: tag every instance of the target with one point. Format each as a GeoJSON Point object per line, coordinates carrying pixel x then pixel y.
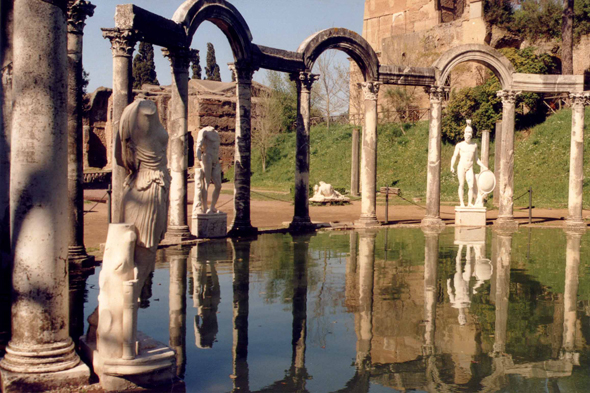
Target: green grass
{"type": "Point", "coordinates": [541, 161]}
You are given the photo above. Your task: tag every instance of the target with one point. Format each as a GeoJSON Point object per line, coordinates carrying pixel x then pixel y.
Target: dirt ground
{"type": "Point", "coordinates": [271, 214]}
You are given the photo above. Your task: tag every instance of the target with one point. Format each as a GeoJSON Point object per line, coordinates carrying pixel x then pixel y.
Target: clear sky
{"type": "Point", "coordinates": [282, 24]}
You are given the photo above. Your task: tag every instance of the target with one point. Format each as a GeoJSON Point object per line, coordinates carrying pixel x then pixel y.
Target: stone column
{"type": "Point", "coordinates": [366, 271]}
{"type": "Point", "coordinates": [242, 171]}
{"type": "Point", "coordinates": [78, 11]}
{"type": "Point", "coordinates": [432, 218]}
{"type": "Point", "coordinates": [576, 184]}
{"type": "Point", "coordinates": [355, 163]}
{"type": "Point", "coordinates": [497, 159]}
{"type": "Point", "coordinates": [301, 220]}
{"type": "Point", "coordinates": [122, 45]}
{"type": "Point", "coordinates": [369, 157]}
{"type": "Point", "coordinates": [178, 229]}
{"type": "Point", "coordinates": [431, 236]}
{"type": "Point", "coordinates": [40, 345]}
{"type": "Point", "coordinates": [485, 147]}
{"type": "Point", "coordinates": [503, 244]}
{"type": "Point", "coordinates": [506, 183]}
{"type": "Point", "coordinates": [178, 260]}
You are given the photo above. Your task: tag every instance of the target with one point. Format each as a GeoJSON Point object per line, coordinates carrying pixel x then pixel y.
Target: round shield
{"type": "Point", "coordinates": [486, 181]}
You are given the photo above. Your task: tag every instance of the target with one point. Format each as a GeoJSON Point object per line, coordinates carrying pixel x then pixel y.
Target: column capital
{"type": "Point", "coordinates": [122, 41]}
{"type": "Point", "coordinates": [78, 11]}
{"type": "Point", "coordinates": [370, 90]}
{"type": "Point", "coordinates": [437, 94]}
{"type": "Point", "coordinates": [579, 100]}
{"type": "Point", "coordinates": [304, 79]}
{"type": "Point", "coordinates": [508, 96]}
{"type": "Point", "coordinates": [242, 71]}
{"type": "Point", "coordinates": [180, 58]}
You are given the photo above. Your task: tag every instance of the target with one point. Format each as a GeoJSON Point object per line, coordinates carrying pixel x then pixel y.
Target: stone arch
{"type": "Point", "coordinates": [221, 13]}
{"type": "Point", "coordinates": [345, 40]}
{"type": "Point", "coordinates": [481, 54]}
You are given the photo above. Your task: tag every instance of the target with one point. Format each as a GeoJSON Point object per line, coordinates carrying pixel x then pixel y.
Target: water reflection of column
{"type": "Point", "coordinates": [431, 237]}
{"type": "Point", "coordinates": [572, 265]}
{"type": "Point", "coordinates": [177, 258]}
{"type": "Point", "coordinates": [241, 286]}
{"type": "Point", "coordinates": [366, 267]}
{"type": "Point", "coordinates": [503, 240]}
{"type": "Point", "coordinates": [300, 258]}
{"type": "Point", "coordinates": [206, 299]}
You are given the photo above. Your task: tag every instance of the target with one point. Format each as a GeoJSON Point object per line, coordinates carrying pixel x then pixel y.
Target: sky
{"type": "Point", "coordinates": [281, 24]}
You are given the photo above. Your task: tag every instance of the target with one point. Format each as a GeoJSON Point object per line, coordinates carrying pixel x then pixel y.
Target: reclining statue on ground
{"type": "Point", "coordinates": [130, 254]}
{"type": "Point", "coordinates": [207, 170]}
{"type": "Point", "coordinates": [324, 192]}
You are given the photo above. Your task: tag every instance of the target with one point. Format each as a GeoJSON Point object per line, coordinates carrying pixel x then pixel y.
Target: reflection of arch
{"type": "Point", "coordinates": [192, 13]}
{"type": "Point", "coordinates": [481, 54]}
{"type": "Point", "coordinates": [345, 40]}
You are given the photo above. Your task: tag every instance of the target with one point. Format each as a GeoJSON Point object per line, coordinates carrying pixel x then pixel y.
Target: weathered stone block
{"type": "Point", "coordinates": [19, 382]}
{"type": "Point", "coordinates": [470, 216]}
{"type": "Point", "coordinates": [209, 225]}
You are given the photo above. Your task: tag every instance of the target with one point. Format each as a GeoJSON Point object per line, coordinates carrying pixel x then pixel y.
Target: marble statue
{"type": "Point", "coordinates": [467, 153]}
{"type": "Point", "coordinates": [324, 192]}
{"type": "Point", "coordinates": [209, 170]}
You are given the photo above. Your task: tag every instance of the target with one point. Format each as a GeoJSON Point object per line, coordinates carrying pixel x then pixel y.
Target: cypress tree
{"type": "Point", "coordinates": [196, 66]}
{"type": "Point", "coordinates": [212, 69]}
{"type": "Point", "coordinates": [144, 68]}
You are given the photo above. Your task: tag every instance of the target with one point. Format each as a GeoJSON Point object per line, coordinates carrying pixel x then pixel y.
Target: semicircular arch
{"type": "Point", "coordinates": [225, 16]}
{"type": "Point", "coordinates": [481, 54]}
{"type": "Point", "coordinates": [345, 40]}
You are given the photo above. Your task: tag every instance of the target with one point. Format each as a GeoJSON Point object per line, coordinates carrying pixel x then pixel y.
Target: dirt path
{"type": "Point", "coordinates": [277, 214]}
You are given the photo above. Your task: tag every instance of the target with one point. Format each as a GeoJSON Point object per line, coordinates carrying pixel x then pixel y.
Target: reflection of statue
{"type": "Point", "coordinates": [206, 299]}
{"type": "Point", "coordinates": [467, 152]}
{"type": "Point", "coordinates": [207, 152]}
{"type": "Point", "coordinates": [324, 192]}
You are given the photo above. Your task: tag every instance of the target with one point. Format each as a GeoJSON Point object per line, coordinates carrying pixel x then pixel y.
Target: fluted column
{"type": "Point", "coordinates": [355, 163]}
{"type": "Point", "coordinates": [78, 11]}
{"type": "Point", "coordinates": [40, 341]}
{"type": "Point", "coordinates": [301, 220]}
{"type": "Point", "coordinates": [369, 157]}
{"type": "Point", "coordinates": [122, 45]}
{"type": "Point", "coordinates": [570, 296]}
{"type": "Point", "coordinates": [432, 218]}
{"type": "Point", "coordinates": [180, 59]}
{"type": "Point", "coordinates": [178, 260]}
{"type": "Point", "coordinates": [506, 182]}
{"type": "Point", "coordinates": [576, 183]}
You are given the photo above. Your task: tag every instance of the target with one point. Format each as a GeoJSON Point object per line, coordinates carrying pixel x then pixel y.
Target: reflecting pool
{"type": "Point", "coordinates": [393, 309]}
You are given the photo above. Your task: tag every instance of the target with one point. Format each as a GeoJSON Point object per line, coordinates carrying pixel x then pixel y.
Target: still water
{"type": "Point", "coordinates": [383, 311]}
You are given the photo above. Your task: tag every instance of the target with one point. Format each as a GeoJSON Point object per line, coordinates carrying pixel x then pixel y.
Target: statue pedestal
{"type": "Point", "coordinates": [470, 216]}
{"type": "Point", "coordinates": [209, 225]}
{"type": "Point", "coordinates": [154, 365]}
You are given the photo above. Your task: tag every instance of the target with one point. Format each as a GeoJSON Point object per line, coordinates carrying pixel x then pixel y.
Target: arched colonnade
{"type": "Point", "coordinates": [175, 35]}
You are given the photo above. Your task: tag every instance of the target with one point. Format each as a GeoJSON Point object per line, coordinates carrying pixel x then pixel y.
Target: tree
{"type": "Point", "coordinates": [268, 122]}
{"type": "Point", "coordinates": [144, 68]}
{"type": "Point", "coordinates": [212, 69]}
{"type": "Point", "coordinates": [332, 91]}
{"type": "Point", "coordinates": [567, 38]}
{"type": "Point", "coordinates": [196, 66]}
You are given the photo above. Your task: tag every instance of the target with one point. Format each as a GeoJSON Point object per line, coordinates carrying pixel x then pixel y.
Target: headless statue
{"type": "Point", "coordinates": [467, 153]}
{"type": "Point", "coordinates": [208, 170]}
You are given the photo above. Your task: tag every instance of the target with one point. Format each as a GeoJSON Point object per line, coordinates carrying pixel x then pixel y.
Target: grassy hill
{"type": "Point", "coordinates": [541, 161]}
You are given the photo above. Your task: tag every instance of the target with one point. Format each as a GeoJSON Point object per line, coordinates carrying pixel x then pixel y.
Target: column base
{"type": "Point", "coordinates": [207, 226]}
{"type": "Point", "coordinates": [77, 257]}
{"type": "Point", "coordinates": [302, 224]}
{"type": "Point", "coordinates": [242, 230]}
{"type": "Point", "coordinates": [434, 222]}
{"type": "Point", "coordinates": [367, 222]}
{"type": "Point", "coordinates": [506, 224]}
{"type": "Point", "coordinates": [575, 225]}
{"type": "Point", "coordinates": [73, 378]}
{"type": "Point", "coordinates": [177, 234]}
{"type": "Point", "coordinates": [40, 358]}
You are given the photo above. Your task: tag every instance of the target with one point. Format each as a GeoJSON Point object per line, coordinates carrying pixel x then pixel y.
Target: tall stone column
{"type": "Point", "coordinates": [576, 184]}
{"type": "Point", "coordinates": [431, 237]}
{"type": "Point", "coordinates": [122, 45]}
{"type": "Point", "coordinates": [432, 218]}
{"type": "Point", "coordinates": [355, 163]}
{"type": "Point", "coordinates": [242, 168]}
{"type": "Point", "coordinates": [570, 296]}
{"type": "Point", "coordinates": [301, 220]}
{"type": "Point", "coordinates": [369, 157]}
{"type": "Point", "coordinates": [506, 183]}
{"type": "Point", "coordinates": [366, 272]}
{"type": "Point", "coordinates": [78, 11]}
{"type": "Point", "coordinates": [40, 344]}
{"type": "Point", "coordinates": [178, 259]}
{"type": "Point", "coordinates": [180, 59]}
{"type": "Point", "coordinates": [485, 147]}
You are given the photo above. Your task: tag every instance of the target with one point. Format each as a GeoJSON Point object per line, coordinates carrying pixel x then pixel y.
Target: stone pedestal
{"type": "Point", "coordinates": [41, 382]}
{"type": "Point", "coordinates": [209, 225]}
{"type": "Point", "coordinates": [154, 365]}
{"type": "Point", "coordinates": [470, 216]}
